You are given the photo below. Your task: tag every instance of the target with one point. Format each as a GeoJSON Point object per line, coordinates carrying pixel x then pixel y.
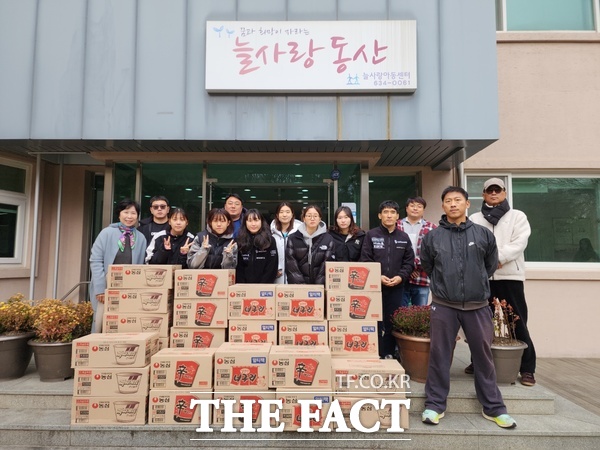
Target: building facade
{"type": "Point", "coordinates": [101, 100]}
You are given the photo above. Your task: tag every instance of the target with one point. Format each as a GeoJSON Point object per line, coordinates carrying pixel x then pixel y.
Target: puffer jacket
{"type": "Point", "coordinates": [281, 242]}
{"type": "Point", "coordinates": [305, 255]}
{"type": "Point", "coordinates": [459, 259]}
{"type": "Point", "coordinates": [213, 257]}
{"type": "Point", "coordinates": [257, 266]}
{"type": "Point", "coordinates": [347, 247]}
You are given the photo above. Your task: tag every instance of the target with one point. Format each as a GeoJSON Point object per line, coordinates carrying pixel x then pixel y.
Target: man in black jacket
{"type": "Point", "coordinates": [158, 221]}
{"type": "Point", "coordinates": [392, 248]}
{"type": "Point", "coordinates": [459, 256]}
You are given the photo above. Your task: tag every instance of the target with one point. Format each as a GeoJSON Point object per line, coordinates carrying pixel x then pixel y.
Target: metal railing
{"type": "Point", "coordinates": [73, 288]}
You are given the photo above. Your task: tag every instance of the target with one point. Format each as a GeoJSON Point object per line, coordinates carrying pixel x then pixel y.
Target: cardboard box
{"type": "Point", "coordinates": [163, 342]}
{"type": "Point", "coordinates": [196, 337]}
{"type": "Point", "coordinates": [136, 323]}
{"type": "Point", "coordinates": [352, 305]}
{"type": "Point", "coordinates": [373, 377]}
{"type": "Point", "coordinates": [369, 415]}
{"type": "Point", "coordinates": [252, 301]}
{"type": "Point", "coordinates": [300, 302]}
{"type": "Point", "coordinates": [135, 276]}
{"type": "Point", "coordinates": [201, 283]}
{"type": "Point", "coordinates": [123, 350]}
{"type": "Point", "coordinates": [296, 367]}
{"type": "Point", "coordinates": [241, 366]}
{"type": "Point", "coordinates": [253, 331]}
{"type": "Point", "coordinates": [190, 313]}
{"type": "Point", "coordinates": [354, 339]}
{"type": "Point", "coordinates": [174, 407]}
{"type": "Point", "coordinates": [182, 369]}
{"type": "Point", "coordinates": [116, 410]}
{"type": "Point", "coordinates": [291, 415]}
{"type": "Point", "coordinates": [303, 333]}
{"type": "Point", "coordinates": [142, 300]}
{"type": "Point", "coordinates": [356, 276]}
{"type": "Point", "coordinates": [107, 382]}
{"type": "Point", "coordinates": [219, 413]}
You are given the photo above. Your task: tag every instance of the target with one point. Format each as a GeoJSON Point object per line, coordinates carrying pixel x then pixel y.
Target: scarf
{"type": "Point", "coordinates": [493, 214]}
{"type": "Point", "coordinates": [126, 231]}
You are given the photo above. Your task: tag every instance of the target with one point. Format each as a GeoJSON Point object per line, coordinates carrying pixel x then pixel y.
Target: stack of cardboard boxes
{"type": "Point", "coordinates": [111, 377]}
{"type": "Point", "coordinates": [301, 314]}
{"type": "Point", "coordinates": [251, 312]}
{"type": "Point", "coordinates": [178, 376]}
{"type": "Point", "coordinates": [200, 308]}
{"type": "Point", "coordinates": [139, 298]}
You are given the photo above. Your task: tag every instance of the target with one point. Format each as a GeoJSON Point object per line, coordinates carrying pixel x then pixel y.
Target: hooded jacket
{"type": "Point", "coordinates": [157, 254]}
{"type": "Point", "coordinates": [392, 249]}
{"type": "Point", "coordinates": [281, 242]}
{"type": "Point", "coordinates": [459, 259]}
{"type": "Point", "coordinates": [305, 255]}
{"type": "Point", "coordinates": [213, 257]}
{"type": "Point", "coordinates": [347, 247]}
{"type": "Point", "coordinates": [257, 266]}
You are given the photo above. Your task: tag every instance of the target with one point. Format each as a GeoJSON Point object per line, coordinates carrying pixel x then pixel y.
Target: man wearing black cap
{"type": "Point", "coordinates": [512, 230]}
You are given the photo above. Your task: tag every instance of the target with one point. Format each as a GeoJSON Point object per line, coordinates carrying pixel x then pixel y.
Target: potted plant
{"type": "Point", "coordinates": [56, 324]}
{"type": "Point", "coordinates": [411, 330]}
{"type": "Point", "coordinates": [15, 331]}
{"type": "Point", "coordinates": [507, 350]}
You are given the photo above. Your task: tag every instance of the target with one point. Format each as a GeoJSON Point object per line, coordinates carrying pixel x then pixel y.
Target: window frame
{"type": "Point", "coordinates": [21, 201]}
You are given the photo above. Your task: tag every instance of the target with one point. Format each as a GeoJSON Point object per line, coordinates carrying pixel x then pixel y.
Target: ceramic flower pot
{"type": "Point", "coordinates": [507, 360]}
{"type": "Point", "coordinates": [53, 360]}
{"type": "Point", "coordinates": [414, 355]}
{"type": "Point", "coordinates": [15, 355]}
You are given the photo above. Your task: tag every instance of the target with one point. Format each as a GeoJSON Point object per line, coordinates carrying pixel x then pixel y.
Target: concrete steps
{"type": "Point", "coordinates": [37, 415]}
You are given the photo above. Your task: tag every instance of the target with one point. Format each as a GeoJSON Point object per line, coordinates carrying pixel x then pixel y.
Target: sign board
{"type": "Point", "coordinates": [311, 57]}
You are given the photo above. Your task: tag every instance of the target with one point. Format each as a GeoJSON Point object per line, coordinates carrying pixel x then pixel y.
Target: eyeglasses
{"type": "Point", "coordinates": [159, 206]}
{"type": "Point", "coordinates": [494, 190]}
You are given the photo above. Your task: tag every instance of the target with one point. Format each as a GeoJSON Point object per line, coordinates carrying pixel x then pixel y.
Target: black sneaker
{"type": "Point", "coordinates": [469, 369]}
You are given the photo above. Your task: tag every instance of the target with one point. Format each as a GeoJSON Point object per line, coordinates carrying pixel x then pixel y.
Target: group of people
{"type": "Point", "coordinates": [465, 262]}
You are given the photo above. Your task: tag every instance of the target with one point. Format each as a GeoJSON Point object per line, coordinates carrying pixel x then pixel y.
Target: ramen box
{"type": "Point", "coordinates": [203, 283]}
{"type": "Point", "coordinates": [372, 377]}
{"type": "Point", "coordinates": [143, 300]}
{"type": "Point", "coordinates": [106, 382]}
{"type": "Point", "coordinates": [241, 366]}
{"type": "Point", "coordinates": [353, 338]}
{"type": "Point", "coordinates": [369, 415]}
{"type": "Point", "coordinates": [353, 305]}
{"type": "Point", "coordinates": [136, 323]}
{"type": "Point", "coordinates": [182, 368]}
{"type": "Point", "coordinates": [253, 331]}
{"type": "Point", "coordinates": [252, 301]}
{"type": "Point", "coordinates": [357, 276]}
{"type": "Point", "coordinates": [291, 412]}
{"type": "Point", "coordinates": [300, 302]}
{"type": "Point", "coordinates": [115, 410]}
{"type": "Point", "coordinates": [197, 337]}
{"type": "Point", "coordinates": [114, 350]}
{"type": "Point", "coordinates": [129, 276]}
{"type": "Point", "coordinates": [219, 412]}
{"type": "Point", "coordinates": [200, 313]}
{"type": "Point", "coordinates": [300, 367]}
{"type": "Point", "coordinates": [303, 333]}
{"type": "Point", "coordinates": [175, 407]}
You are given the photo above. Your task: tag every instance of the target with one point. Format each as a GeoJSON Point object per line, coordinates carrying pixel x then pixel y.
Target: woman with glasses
{"type": "Point", "coordinates": [282, 226]}
{"type": "Point", "coordinates": [308, 248]}
{"type": "Point", "coordinates": [214, 248]}
{"type": "Point", "coordinates": [257, 250]}
{"type": "Point", "coordinates": [348, 237]}
{"type": "Point", "coordinates": [118, 243]}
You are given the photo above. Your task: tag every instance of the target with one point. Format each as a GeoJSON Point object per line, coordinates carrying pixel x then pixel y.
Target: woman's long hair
{"type": "Point", "coordinates": [261, 240]}
{"type": "Point", "coordinates": [352, 228]}
{"type": "Point", "coordinates": [278, 223]}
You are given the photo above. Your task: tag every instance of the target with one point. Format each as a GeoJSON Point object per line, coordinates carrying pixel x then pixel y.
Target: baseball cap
{"type": "Point", "coordinates": [493, 182]}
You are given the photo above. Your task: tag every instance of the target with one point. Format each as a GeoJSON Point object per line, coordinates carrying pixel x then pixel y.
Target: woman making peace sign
{"type": "Point", "coordinates": [172, 245]}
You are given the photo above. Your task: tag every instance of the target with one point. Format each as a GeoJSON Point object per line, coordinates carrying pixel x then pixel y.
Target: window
{"type": "Point", "coordinates": [545, 15]}
{"type": "Point", "coordinates": [564, 214]}
{"type": "Point", "coordinates": [381, 188]}
{"type": "Point", "coordinates": [13, 202]}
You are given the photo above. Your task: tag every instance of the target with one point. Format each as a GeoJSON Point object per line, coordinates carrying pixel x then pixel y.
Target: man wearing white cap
{"type": "Point", "coordinates": [512, 230]}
